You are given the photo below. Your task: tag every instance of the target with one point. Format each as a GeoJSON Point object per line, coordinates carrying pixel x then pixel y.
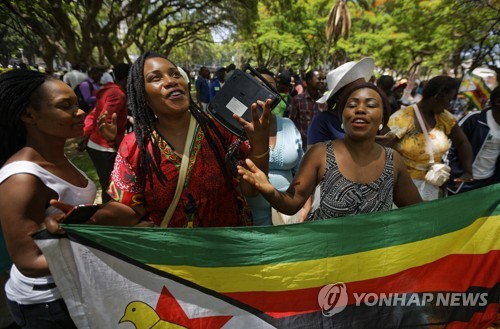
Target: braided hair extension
{"type": "Point", "coordinates": [18, 90]}
{"type": "Point", "coordinates": [144, 119]}
{"type": "Point", "coordinates": [218, 146]}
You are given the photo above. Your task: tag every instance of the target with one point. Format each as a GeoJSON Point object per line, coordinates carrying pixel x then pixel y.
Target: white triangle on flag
{"type": "Point", "coordinates": [97, 288]}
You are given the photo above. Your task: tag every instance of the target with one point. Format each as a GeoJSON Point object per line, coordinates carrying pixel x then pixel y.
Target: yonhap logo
{"type": "Point", "coordinates": [423, 299]}
{"type": "Point", "coordinates": [332, 298]}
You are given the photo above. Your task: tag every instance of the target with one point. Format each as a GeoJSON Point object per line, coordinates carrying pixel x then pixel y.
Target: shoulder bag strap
{"type": "Point", "coordinates": [90, 84]}
{"type": "Point", "coordinates": [182, 173]}
{"type": "Point", "coordinates": [424, 130]}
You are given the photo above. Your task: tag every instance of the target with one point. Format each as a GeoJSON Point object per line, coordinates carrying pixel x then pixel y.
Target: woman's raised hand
{"type": "Point", "coordinates": [257, 131]}
{"type": "Point", "coordinates": [255, 177]}
{"type": "Point", "coordinates": [107, 129]}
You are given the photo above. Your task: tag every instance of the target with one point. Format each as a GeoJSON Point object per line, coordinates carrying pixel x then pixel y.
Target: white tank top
{"type": "Point", "coordinates": [20, 288]}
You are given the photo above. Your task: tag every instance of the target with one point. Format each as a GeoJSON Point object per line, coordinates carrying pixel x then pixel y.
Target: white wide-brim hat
{"type": "Point", "coordinates": [183, 73]}
{"type": "Point", "coordinates": [347, 73]}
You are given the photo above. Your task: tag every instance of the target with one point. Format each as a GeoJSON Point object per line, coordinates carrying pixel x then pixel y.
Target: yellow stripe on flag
{"type": "Point", "coordinates": [481, 237]}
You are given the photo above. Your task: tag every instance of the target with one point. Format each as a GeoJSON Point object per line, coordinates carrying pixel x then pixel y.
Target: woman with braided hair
{"type": "Point", "coordinates": [38, 114]}
{"type": "Point", "coordinates": [149, 160]}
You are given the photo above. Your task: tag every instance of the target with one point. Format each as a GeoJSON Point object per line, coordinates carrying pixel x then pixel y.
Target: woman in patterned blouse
{"type": "Point", "coordinates": [145, 176]}
{"type": "Point", "coordinates": [409, 140]}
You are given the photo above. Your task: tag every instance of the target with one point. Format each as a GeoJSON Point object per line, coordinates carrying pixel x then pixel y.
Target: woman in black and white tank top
{"type": "Point", "coordinates": [339, 196]}
{"type": "Point", "coordinates": [355, 175]}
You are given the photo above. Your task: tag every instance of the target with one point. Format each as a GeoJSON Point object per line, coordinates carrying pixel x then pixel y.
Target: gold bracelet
{"type": "Point", "coordinates": [260, 156]}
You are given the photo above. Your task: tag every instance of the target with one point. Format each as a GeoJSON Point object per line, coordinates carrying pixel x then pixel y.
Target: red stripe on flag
{"type": "Point", "coordinates": [480, 320]}
{"type": "Point", "coordinates": [454, 273]}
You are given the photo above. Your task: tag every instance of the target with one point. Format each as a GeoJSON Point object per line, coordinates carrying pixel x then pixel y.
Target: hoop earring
{"type": "Point", "coordinates": [342, 126]}
{"type": "Point", "coordinates": [380, 127]}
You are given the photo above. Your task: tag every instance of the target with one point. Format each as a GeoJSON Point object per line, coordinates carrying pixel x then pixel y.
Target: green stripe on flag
{"type": "Point", "coordinates": [245, 246]}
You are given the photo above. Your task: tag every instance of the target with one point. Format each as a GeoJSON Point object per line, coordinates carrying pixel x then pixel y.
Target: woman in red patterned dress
{"type": "Point", "coordinates": [144, 180]}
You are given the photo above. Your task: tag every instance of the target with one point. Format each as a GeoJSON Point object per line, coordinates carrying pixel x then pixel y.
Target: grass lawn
{"type": "Point", "coordinates": [83, 162]}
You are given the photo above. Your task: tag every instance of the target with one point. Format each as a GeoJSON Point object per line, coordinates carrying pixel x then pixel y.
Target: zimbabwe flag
{"type": "Point", "coordinates": [475, 89]}
{"type": "Point", "coordinates": [431, 265]}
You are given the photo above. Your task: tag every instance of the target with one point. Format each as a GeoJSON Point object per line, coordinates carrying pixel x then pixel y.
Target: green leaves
{"type": "Point", "coordinates": [274, 33]}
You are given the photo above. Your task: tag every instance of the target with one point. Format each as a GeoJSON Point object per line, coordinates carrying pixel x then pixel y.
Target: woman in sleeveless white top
{"type": "Point", "coordinates": [357, 164]}
{"type": "Point", "coordinates": [20, 287]}
{"type": "Point", "coordinates": [37, 115]}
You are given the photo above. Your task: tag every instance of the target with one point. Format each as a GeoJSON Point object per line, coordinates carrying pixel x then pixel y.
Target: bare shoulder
{"type": "Point", "coordinates": [397, 157]}
{"type": "Point", "coordinates": [316, 153]}
{"type": "Point", "coordinates": [318, 147]}
{"type": "Point", "coordinates": [314, 160]}
{"type": "Point", "coordinates": [398, 161]}
{"type": "Point", "coordinates": [22, 188]}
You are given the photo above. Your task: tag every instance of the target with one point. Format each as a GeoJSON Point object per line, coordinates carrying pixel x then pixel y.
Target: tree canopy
{"type": "Point", "coordinates": [401, 35]}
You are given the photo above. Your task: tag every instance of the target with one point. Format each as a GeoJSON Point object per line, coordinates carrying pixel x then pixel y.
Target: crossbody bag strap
{"type": "Point", "coordinates": [426, 134]}
{"type": "Point", "coordinates": [182, 172]}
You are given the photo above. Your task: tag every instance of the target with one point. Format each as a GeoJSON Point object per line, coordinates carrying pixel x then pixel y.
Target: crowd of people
{"type": "Point", "coordinates": [338, 145]}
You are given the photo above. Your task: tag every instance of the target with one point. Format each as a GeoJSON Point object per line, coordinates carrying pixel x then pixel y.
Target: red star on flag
{"type": "Point", "coordinates": [168, 309]}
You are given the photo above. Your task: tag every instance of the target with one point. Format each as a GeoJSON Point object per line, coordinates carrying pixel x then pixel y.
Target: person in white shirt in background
{"type": "Point", "coordinates": [482, 129]}
{"type": "Point", "coordinates": [107, 76]}
{"type": "Point", "coordinates": [75, 76]}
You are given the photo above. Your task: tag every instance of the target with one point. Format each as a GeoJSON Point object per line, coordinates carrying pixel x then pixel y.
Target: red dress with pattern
{"type": "Point", "coordinates": [217, 203]}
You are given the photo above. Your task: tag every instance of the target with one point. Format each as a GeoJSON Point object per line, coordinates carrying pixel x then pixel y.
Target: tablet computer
{"type": "Point", "coordinates": [239, 92]}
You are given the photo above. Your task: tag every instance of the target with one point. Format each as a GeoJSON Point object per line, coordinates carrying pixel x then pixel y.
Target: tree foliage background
{"type": "Point", "coordinates": [434, 35]}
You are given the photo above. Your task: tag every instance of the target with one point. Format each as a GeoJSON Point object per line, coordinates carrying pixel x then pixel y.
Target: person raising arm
{"type": "Point", "coordinates": [149, 161]}
{"type": "Point", "coordinates": [356, 175]}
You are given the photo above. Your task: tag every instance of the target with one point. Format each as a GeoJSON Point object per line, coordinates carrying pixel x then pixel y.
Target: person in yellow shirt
{"type": "Point", "coordinates": [409, 140]}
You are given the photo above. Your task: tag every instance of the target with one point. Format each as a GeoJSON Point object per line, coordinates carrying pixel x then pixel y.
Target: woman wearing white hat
{"type": "Point", "coordinates": [326, 125]}
{"type": "Point", "coordinates": [355, 175]}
